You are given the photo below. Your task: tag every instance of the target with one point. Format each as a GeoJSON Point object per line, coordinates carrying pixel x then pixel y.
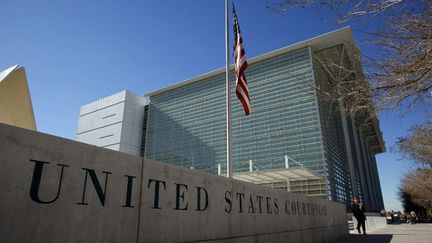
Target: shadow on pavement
{"type": "Point", "coordinates": [354, 238]}
{"type": "Point", "coordinates": [396, 223]}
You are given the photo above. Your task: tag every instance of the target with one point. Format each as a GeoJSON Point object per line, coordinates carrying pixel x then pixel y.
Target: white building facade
{"type": "Point", "coordinates": [113, 122]}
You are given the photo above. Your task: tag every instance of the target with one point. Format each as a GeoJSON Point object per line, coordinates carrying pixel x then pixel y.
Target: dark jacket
{"type": "Point", "coordinates": [358, 212]}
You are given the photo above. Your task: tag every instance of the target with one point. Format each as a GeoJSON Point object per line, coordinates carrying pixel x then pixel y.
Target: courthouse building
{"type": "Point", "coordinates": [296, 138]}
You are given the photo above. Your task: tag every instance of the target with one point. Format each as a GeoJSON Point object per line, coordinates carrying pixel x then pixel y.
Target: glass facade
{"type": "Point", "coordinates": [284, 120]}
{"type": "Point", "coordinates": [336, 159]}
{"type": "Point", "coordinates": [291, 121]}
{"type": "Point", "coordinates": [187, 125]}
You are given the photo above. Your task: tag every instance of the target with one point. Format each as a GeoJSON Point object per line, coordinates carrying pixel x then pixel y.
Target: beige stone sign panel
{"type": "Point", "coordinates": [188, 206]}
{"type": "Point", "coordinates": [57, 190]}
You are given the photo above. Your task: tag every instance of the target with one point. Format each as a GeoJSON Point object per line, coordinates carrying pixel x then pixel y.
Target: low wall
{"type": "Point", "coordinates": [58, 190]}
{"type": "Point", "coordinates": [373, 221]}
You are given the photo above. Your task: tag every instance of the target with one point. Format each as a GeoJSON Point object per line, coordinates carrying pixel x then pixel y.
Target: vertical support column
{"type": "Point", "coordinates": [379, 191]}
{"type": "Point", "coordinates": [288, 183]}
{"type": "Point", "coordinates": [348, 149]}
{"type": "Point", "coordinates": [376, 182]}
{"type": "Point", "coordinates": [360, 160]}
{"type": "Point", "coordinates": [373, 181]}
{"type": "Point", "coordinates": [367, 172]}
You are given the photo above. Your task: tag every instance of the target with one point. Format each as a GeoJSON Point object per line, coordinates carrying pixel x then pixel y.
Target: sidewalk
{"type": "Point", "coordinates": [394, 233]}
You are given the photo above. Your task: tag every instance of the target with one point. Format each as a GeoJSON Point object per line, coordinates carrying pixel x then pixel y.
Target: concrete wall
{"type": "Point", "coordinates": [57, 190]}
{"type": "Point", "coordinates": [26, 213]}
{"type": "Point", "coordinates": [374, 221]}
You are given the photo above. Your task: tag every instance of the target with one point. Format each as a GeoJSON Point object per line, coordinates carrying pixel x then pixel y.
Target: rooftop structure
{"type": "Point", "coordinates": [113, 122]}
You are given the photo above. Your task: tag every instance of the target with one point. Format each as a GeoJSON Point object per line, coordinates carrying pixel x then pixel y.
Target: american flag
{"type": "Point", "coordinates": [241, 64]}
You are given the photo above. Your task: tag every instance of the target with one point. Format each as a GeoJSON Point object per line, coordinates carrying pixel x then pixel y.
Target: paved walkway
{"type": "Point", "coordinates": [394, 233]}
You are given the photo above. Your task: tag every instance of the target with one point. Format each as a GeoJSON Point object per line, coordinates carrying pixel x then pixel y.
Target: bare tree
{"type": "Point", "coordinates": [400, 69]}
{"type": "Point", "coordinates": [417, 146]}
{"type": "Point", "coordinates": [345, 9]}
{"type": "Point", "coordinates": [403, 71]}
{"type": "Point", "coordinates": [407, 202]}
{"type": "Point", "coordinates": [418, 184]}
{"type": "Point", "coordinates": [344, 84]}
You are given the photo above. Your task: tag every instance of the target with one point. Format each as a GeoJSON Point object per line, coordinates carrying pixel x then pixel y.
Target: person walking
{"type": "Point", "coordinates": [358, 212]}
{"type": "Point", "coordinates": [414, 217]}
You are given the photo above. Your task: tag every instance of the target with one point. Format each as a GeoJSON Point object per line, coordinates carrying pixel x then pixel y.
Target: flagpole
{"type": "Point", "coordinates": [227, 98]}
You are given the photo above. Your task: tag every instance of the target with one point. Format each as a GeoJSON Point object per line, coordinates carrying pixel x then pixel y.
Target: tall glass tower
{"type": "Point", "coordinates": [303, 134]}
{"type": "Point", "coordinates": [293, 124]}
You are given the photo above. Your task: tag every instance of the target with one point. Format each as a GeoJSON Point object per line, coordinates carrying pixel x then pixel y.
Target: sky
{"type": "Point", "coordinates": [76, 52]}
